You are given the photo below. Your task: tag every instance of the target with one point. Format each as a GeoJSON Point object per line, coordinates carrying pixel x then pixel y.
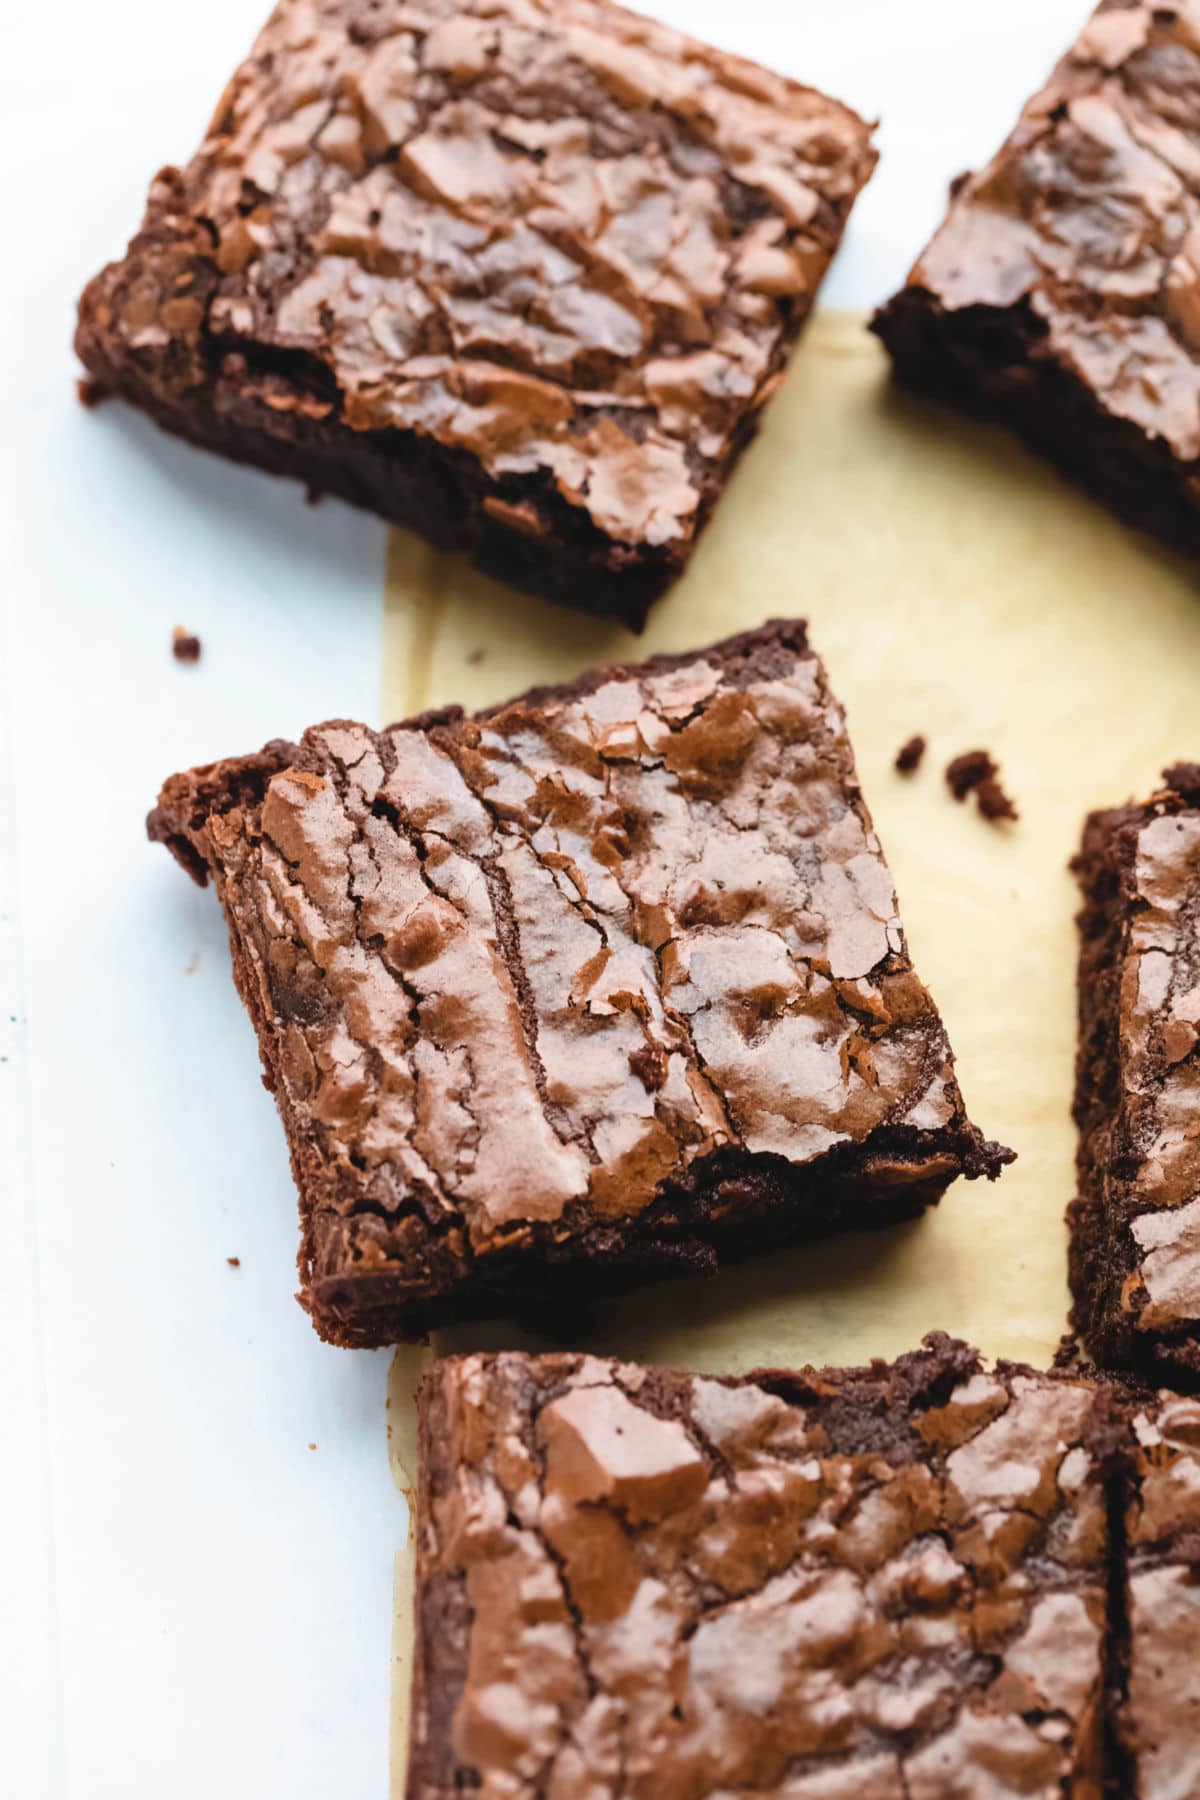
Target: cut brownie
{"type": "Point", "coordinates": [519, 274]}
{"type": "Point", "coordinates": [1061, 296]}
{"type": "Point", "coordinates": [1135, 1228]}
{"type": "Point", "coordinates": [1159, 1715]}
{"type": "Point", "coordinates": [607, 981]}
{"type": "Point", "coordinates": [833, 1585]}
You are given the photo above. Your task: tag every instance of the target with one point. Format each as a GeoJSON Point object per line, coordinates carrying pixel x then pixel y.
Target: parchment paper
{"type": "Point", "coordinates": [955, 587]}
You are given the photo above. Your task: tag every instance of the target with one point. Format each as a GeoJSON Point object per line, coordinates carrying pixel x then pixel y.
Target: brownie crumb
{"type": "Point", "coordinates": [967, 771]}
{"type": "Point", "coordinates": [235, 1262]}
{"type": "Point", "coordinates": [1183, 778]}
{"type": "Point", "coordinates": [993, 802]}
{"type": "Point", "coordinates": [185, 647]}
{"type": "Point", "coordinates": [475, 657]}
{"type": "Point", "coordinates": [977, 772]}
{"type": "Point", "coordinates": [911, 755]}
{"type": "Point", "coordinates": [92, 393]}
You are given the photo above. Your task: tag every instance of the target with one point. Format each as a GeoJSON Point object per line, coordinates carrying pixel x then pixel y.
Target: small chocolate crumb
{"type": "Point", "coordinates": [185, 647]}
{"type": "Point", "coordinates": [1183, 778]}
{"type": "Point", "coordinates": [649, 1063]}
{"type": "Point", "coordinates": [312, 1446]}
{"type": "Point", "coordinates": [909, 757]}
{"type": "Point", "coordinates": [967, 771]}
{"type": "Point", "coordinates": [993, 802]}
{"type": "Point", "coordinates": [475, 657]}
{"type": "Point", "coordinates": [977, 772]}
{"type": "Point", "coordinates": [92, 393]}
{"type": "Point", "coordinates": [235, 1262]}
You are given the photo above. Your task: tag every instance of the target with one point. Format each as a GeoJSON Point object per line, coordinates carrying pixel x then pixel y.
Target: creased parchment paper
{"type": "Point", "coordinates": [954, 587]}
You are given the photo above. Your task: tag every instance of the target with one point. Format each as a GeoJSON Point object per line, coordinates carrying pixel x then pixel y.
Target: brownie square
{"type": "Point", "coordinates": [831, 1585]}
{"type": "Point", "coordinates": [1061, 294]}
{"type": "Point", "coordinates": [519, 274]}
{"type": "Point", "coordinates": [605, 982]}
{"type": "Point", "coordinates": [1135, 1227]}
{"type": "Point", "coordinates": [1159, 1709]}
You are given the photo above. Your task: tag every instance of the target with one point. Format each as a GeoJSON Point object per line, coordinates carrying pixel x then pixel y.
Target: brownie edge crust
{"type": "Point", "coordinates": [517, 274]}
{"type": "Point", "coordinates": [602, 984]}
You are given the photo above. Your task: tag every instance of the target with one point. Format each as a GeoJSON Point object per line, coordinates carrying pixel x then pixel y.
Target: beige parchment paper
{"type": "Point", "coordinates": [955, 587]}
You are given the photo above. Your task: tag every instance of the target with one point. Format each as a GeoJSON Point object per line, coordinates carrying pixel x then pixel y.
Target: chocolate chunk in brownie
{"type": "Point", "coordinates": [1159, 1705]}
{"type": "Point", "coordinates": [828, 1585]}
{"type": "Point", "coordinates": [605, 982]}
{"type": "Point", "coordinates": [1135, 1227]}
{"type": "Point", "coordinates": [519, 274]}
{"type": "Point", "coordinates": [1061, 295]}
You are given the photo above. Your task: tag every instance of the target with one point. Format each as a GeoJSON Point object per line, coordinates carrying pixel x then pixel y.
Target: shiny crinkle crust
{"type": "Point", "coordinates": [1062, 292]}
{"type": "Point", "coordinates": [515, 976]}
{"type": "Point", "coordinates": [865, 1583]}
{"type": "Point", "coordinates": [550, 235]}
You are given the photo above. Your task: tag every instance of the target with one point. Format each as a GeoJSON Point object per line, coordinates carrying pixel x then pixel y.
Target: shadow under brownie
{"type": "Point", "coordinates": [519, 274]}
{"type": "Point", "coordinates": [605, 983]}
{"type": "Point", "coordinates": [1061, 294]}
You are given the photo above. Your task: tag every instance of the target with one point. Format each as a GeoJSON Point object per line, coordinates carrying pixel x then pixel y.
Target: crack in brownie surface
{"type": "Point", "coordinates": [869, 1583]}
{"type": "Point", "coordinates": [1062, 293]}
{"type": "Point", "coordinates": [558, 249]}
{"type": "Point", "coordinates": [613, 969]}
{"type": "Point", "coordinates": [1135, 1261]}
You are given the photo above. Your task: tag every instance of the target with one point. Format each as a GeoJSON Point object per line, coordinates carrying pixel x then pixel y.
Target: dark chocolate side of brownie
{"type": "Point", "coordinates": [992, 363]}
{"type": "Point", "coordinates": [408, 479]}
{"type": "Point", "coordinates": [1096, 1262]}
{"type": "Point", "coordinates": [728, 1205]}
{"type": "Point", "coordinates": [872, 1412]}
{"type": "Point", "coordinates": [1102, 1255]}
{"type": "Point", "coordinates": [732, 1207]}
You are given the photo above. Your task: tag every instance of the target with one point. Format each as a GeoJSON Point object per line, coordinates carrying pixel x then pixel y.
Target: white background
{"type": "Point", "coordinates": [192, 1600]}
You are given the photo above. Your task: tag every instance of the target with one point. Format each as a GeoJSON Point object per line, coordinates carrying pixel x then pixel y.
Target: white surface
{"type": "Point", "coordinates": [191, 1600]}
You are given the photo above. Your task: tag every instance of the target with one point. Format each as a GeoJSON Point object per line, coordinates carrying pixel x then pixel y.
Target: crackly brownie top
{"type": "Point", "coordinates": [1089, 216]}
{"type": "Point", "coordinates": [548, 232]}
{"type": "Point", "coordinates": [1163, 1532]}
{"type": "Point", "coordinates": [1154, 1155]}
{"type": "Point", "coordinates": [546, 958]}
{"type": "Point", "coordinates": [841, 1584]}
